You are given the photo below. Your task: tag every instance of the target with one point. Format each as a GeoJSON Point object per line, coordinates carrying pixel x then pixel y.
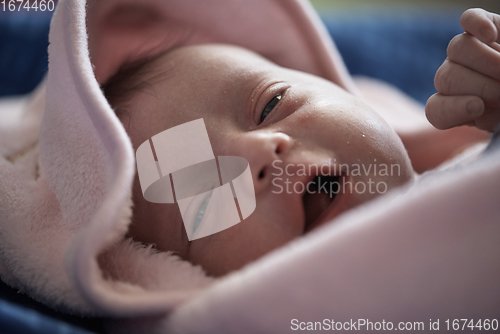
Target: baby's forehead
{"type": "Point", "coordinates": [210, 57]}
{"type": "Point", "coordinates": [202, 69]}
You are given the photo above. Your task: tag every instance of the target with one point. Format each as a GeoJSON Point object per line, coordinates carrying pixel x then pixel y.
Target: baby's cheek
{"type": "Point", "coordinates": [224, 251]}
{"type": "Point", "coordinates": [158, 224]}
{"type": "Point", "coordinates": [240, 244]}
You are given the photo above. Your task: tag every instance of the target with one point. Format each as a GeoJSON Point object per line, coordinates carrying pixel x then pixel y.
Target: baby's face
{"type": "Point", "coordinates": [286, 124]}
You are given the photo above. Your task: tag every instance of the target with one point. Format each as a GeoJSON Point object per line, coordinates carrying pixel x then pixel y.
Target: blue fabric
{"type": "Point", "coordinates": [404, 48]}
{"type": "Point", "coordinates": [19, 320]}
{"type": "Point", "coordinates": [15, 305]}
{"type": "Point", "coordinates": [23, 52]}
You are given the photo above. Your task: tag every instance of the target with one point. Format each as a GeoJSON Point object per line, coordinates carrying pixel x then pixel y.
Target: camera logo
{"type": "Point", "coordinates": [213, 193]}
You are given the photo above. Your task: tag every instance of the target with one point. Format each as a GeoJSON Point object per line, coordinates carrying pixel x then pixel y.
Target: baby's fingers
{"type": "Point", "coordinates": [455, 79]}
{"type": "Point", "coordinates": [482, 24]}
{"type": "Point", "coordinates": [468, 51]}
{"type": "Point", "coordinates": [445, 112]}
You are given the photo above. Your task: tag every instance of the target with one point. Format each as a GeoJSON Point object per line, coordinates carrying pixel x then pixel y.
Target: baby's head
{"type": "Point", "coordinates": [296, 130]}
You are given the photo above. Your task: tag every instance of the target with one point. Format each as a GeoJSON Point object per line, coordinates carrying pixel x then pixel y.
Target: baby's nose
{"type": "Point", "coordinates": [263, 150]}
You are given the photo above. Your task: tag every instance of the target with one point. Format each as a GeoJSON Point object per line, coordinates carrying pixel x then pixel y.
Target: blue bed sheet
{"type": "Point", "coordinates": [404, 48]}
{"type": "Point", "coordinates": [23, 52]}
{"type": "Point", "coordinates": [20, 320]}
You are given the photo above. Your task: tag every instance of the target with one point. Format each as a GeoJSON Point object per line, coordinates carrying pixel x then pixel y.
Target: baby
{"type": "Point", "coordinates": [288, 125]}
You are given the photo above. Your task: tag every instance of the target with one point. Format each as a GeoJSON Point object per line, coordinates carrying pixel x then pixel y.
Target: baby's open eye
{"type": "Point", "coordinates": [269, 107]}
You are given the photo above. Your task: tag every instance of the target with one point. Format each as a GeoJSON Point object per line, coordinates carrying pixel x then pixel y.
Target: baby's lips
{"type": "Point", "coordinates": [341, 203]}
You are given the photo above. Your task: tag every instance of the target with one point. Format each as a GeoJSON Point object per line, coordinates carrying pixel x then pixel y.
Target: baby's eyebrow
{"type": "Point", "coordinates": [162, 57]}
{"type": "Point", "coordinates": [135, 76]}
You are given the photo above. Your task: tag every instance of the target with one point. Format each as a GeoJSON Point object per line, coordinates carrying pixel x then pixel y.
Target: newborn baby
{"type": "Point", "coordinates": [282, 121]}
{"type": "Point", "coordinates": [265, 113]}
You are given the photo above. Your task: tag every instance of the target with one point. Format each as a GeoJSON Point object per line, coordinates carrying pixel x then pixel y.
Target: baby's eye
{"type": "Point", "coordinates": [269, 107]}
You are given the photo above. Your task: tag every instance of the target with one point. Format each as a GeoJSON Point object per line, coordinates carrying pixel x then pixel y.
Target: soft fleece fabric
{"type": "Point", "coordinates": [67, 166]}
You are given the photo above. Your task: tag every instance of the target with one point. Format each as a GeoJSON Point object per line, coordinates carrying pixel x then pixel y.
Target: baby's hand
{"type": "Point", "coordinates": [468, 82]}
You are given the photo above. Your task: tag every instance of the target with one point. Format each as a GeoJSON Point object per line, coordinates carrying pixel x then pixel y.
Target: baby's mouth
{"type": "Point", "coordinates": [320, 199]}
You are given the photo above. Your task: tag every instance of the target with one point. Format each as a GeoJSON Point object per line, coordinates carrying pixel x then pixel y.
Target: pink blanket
{"type": "Point", "coordinates": [67, 166]}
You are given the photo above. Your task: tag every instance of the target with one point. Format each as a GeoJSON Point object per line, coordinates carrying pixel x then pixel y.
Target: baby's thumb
{"type": "Point", "coordinates": [481, 24]}
{"type": "Point", "coordinates": [445, 112]}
